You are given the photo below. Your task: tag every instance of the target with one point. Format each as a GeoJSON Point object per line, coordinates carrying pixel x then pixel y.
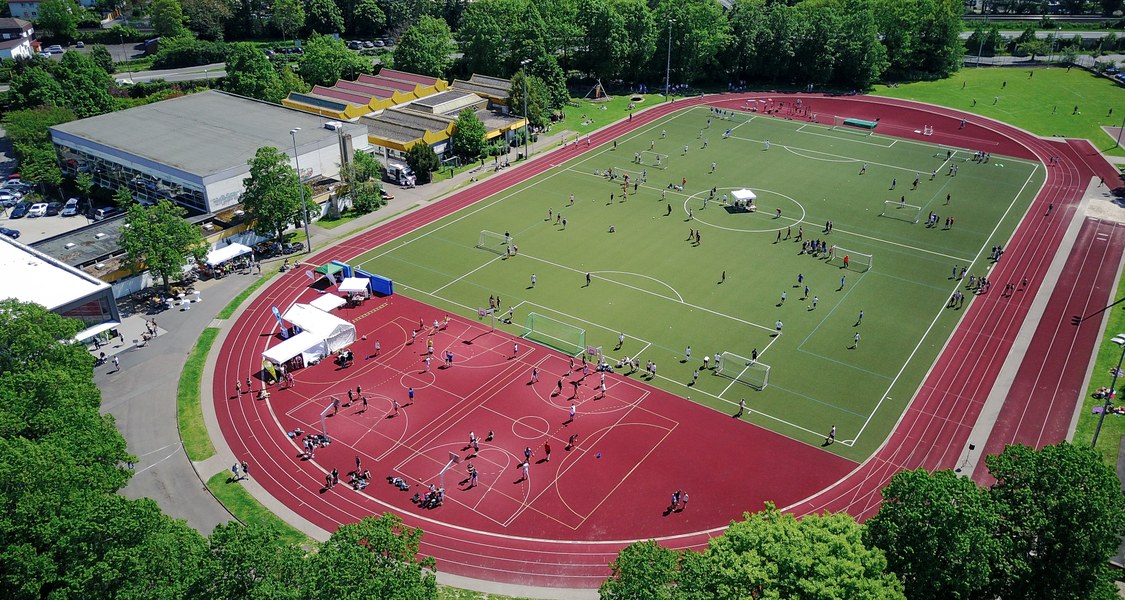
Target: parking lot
{"type": "Point", "coordinates": [33, 229]}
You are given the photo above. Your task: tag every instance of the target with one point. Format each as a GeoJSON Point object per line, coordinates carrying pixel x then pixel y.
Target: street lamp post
{"type": "Point", "coordinates": [668, 65]}
{"type": "Point", "coordinates": [526, 123]}
{"type": "Point", "coordinates": [301, 189]}
{"type": "Point", "coordinates": [1118, 339]}
{"type": "Point", "coordinates": [1119, 130]}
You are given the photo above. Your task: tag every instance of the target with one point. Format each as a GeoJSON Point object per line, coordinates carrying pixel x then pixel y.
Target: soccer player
{"type": "Point", "coordinates": [779, 325]}
{"type": "Point", "coordinates": [855, 342]}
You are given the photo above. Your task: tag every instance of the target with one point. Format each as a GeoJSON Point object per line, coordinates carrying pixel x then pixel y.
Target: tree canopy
{"type": "Point", "coordinates": [468, 139]}
{"type": "Point", "coordinates": [423, 161]}
{"type": "Point", "coordinates": [167, 18]}
{"type": "Point", "coordinates": [59, 18]}
{"type": "Point", "coordinates": [327, 59]}
{"type": "Point", "coordinates": [538, 101]}
{"type": "Point", "coordinates": [273, 197]}
{"type": "Point", "coordinates": [324, 17]}
{"type": "Point", "coordinates": [159, 238]}
{"type": "Point", "coordinates": [425, 48]}
{"type": "Point", "coordinates": [250, 73]}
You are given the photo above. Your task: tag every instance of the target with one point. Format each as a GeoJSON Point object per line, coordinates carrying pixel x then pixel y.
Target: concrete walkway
{"type": "Point", "coordinates": [141, 395]}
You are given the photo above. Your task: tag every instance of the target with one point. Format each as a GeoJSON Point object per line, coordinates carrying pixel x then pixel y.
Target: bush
{"type": "Point", "coordinates": [115, 35]}
{"type": "Point", "coordinates": [188, 52]}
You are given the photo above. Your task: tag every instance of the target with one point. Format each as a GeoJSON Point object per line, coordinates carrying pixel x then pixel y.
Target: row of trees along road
{"type": "Point", "coordinates": [1046, 529]}
{"type": "Point", "coordinates": [65, 531]}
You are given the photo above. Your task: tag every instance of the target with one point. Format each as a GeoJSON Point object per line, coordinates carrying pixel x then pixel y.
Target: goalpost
{"type": "Point", "coordinates": [857, 261]}
{"type": "Point", "coordinates": [861, 126]}
{"type": "Point", "coordinates": [554, 334]}
{"type": "Point", "coordinates": [753, 373]}
{"type": "Point", "coordinates": [902, 211]}
{"type": "Point", "coordinates": [494, 242]}
{"type": "Point", "coordinates": [634, 176]}
{"type": "Point", "coordinates": [649, 158]}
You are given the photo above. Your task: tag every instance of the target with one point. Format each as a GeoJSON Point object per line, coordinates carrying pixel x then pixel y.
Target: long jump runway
{"type": "Point", "coordinates": [563, 526]}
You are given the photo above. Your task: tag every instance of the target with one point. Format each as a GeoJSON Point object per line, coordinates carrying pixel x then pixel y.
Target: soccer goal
{"type": "Point", "coordinates": [634, 176]}
{"type": "Point", "coordinates": [555, 334]}
{"type": "Point", "coordinates": [853, 125]}
{"type": "Point", "coordinates": [753, 373]}
{"type": "Point", "coordinates": [494, 242]}
{"type": "Point", "coordinates": [857, 261]}
{"type": "Point", "coordinates": [654, 159]}
{"type": "Point", "coordinates": [901, 211]}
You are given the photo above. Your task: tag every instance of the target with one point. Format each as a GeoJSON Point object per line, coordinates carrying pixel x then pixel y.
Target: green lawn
{"type": "Point", "coordinates": [590, 116]}
{"type": "Point", "coordinates": [1108, 355]}
{"type": "Point", "coordinates": [193, 432]}
{"type": "Point", "coordinates": [1042, 104]}
{"type": "Point", "coordinates": [665, 293]}
{"type": "Point", "coordinates": [248, 510]}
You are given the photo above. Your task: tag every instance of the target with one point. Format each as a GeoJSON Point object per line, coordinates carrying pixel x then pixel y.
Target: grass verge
{"type": "Point", "coordinates": [228, 311]}
{"type": "Point", "coordinates": [189, 408]}
{"type": "Point", "coordinates": [1109, 439]}
{"type": "Point", "coordinates": [589, 116]}
{"type": "Point", "coordinates": [345, 217]}
{"type": "Point", "coordinates": [248, 510]}
{"type": "Point", "coordinates": [1028, 98]}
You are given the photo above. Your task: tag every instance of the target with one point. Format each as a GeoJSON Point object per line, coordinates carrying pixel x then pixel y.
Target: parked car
{"type": "Point", "coordinates": [12, 233]}
{"type": "Point", "coordinates": [70, 208]}
{"type": "Point", "coordinates": [80, 44]}
{"type": "Point", "coordinates": [56, 49]}
{"type": "Point", "coordinates": [14, 177]}
{"type": "Point", "coordinates": [38, 209]}
{"type": "Point", "coordinates": [368, 44]}
{"type": "Point", "coordinates": [8, 200]}
{"type": "Point", "coordinates": [354, 45]}
{"type": "Point", "coordinates": [107, 212]}
{"type": "Point", "coordinates": [45, 54]}
{"type": "Point", "coordinates": [19, 211]}
{"type": "Point", "coordinates": [379, 43]}
{"type": "Point", "coordinates": [53, 208]}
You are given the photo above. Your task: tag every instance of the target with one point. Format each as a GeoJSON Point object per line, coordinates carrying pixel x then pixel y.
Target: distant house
{"type": "Point", "coordinates": [29, 9]}
{"type": "Point", "coordinates": [16, 37]}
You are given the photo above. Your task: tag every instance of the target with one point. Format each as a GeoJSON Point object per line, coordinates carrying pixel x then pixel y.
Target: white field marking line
{"type": "Point", "coordinates": [643, 291]}
{"type": "Point", "coordinates": [442, 298]}
{"type": "Point", "coordinates": [899, 244]}
{"type": "Point", "coordinates": [589, 173]}
{"type": "Point", "coordinates": [679, 297]}
{"type": "Point", "coordinates": [799, 153]}
{"type": "Point", "coordinates": [831, 312]}
{"type": "Point", "coordinates": [579, 320]}
{"type": "Point", "coordinates": [499, 257]}
{"type": "Point", "coordinates": [840, 138]}
{"type": "Point", "coordinates": [174, 452]}
{"type": "Point", "coordinates": [843, 157]}
{"type": "Point", "coordinates": [735, 379]}
{"type": "Point", "coordinates": [139, 456]}
{"type": "Point", "coordinates": [941, 311]}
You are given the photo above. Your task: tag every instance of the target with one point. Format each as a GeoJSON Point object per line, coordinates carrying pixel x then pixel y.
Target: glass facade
{"type": "Point", "coordinates": [145, 186]}
{"type": "Point", "coordinates": [93, 312]}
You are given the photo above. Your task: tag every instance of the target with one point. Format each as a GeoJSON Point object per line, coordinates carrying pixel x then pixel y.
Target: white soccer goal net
{"type": "Point", "coordinates": [555, 334]}
{"type": "Point", "coordinates": [653, 159]}
{"type": "Point", "coordinates": [854, 261]}
{"type": "Point", "coordinates": [901, 211]}
{"type": "Point", "coordinates": [753, 373]}
{"type": "Point", "coordinates": [494, 242]}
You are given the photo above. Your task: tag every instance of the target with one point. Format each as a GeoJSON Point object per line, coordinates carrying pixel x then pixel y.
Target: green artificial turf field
{"type": "Point", "coordinates": [666, 293]}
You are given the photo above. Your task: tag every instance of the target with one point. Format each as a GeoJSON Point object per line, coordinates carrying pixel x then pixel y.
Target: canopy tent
{"type": "Point", "coordinates": [336, 332]}
{"type": "Point", "coordinates": [89, 333]}
{"type": "Point", "coordinates": [744, 195]}
{"type": "Point", "coordinates": [328, 269]}
{"type": "Point", "coordinates": [222, 255]}
{"type": "Point", "coordinates": [354, 285]}
{"type": "Point", "coordinates": [305, 343]}
{"type": "Point", "coordinates": [328, 302]}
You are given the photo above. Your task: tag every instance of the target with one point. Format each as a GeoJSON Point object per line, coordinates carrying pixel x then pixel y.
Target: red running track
{"type": "Point", "coordinates": [932, 431]}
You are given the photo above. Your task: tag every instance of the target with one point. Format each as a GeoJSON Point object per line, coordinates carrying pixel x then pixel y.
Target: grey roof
{"type": "Point", "coordinates": [440, 98]}
{"type": "Point", "coordinates": [201, 134]}
{"type": "Point", "coordinates": [11, 24]}
{"type": "Point", "coordinates": [89, 247]}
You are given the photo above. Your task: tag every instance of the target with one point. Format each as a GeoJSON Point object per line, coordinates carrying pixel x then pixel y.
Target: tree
{"type": "Point", "coordinates": [640, 44]}
{"type": "Point", "coordinates": [123, 198]}
{"type": "Point", "coordinates": [168, 18]}
{"type": "Point", "coordinates": [484, 41]}
{"type": "Point", "coordinates": [29, 133]}
{"type": "Point", "coordinates": [85, 184]}
{"type": "Point", "coordinates": [324, 17]}
{"type": "Point", "coordinates": [425, 48]}
{"type": "Point", "coordinates": [423, 161]}
{"type": "Point", "coordinates": [366, 18]}
{"type": "Point", "coordinates": [85, 85]}
{"type": "Point", "coordinates": [468, 139]}
{"type": "Point", "coordinates": [538, 103]}
{"type": "Point", "coordinates": [327, 59]}
{"type": "Point", "coordinates": [272, 198]}
{"type": "Point", "coordinates": [1062, 515]}
{"type": "Point", "coordinates": [361, 178]}
{"type": "Point", "coordinates": [58, 18]}
{"type": "Point", "coordinates": [939, 534]}
{"type": "Point", "coordinates": [254, 562]}
{"type": "Point", "coordinates": [604, 39]}
{"type": "Point", "coordinates": [100, 56]}
{"type": "Point", "coordinates": [159, 239]}
{"type": "Point", "coordinates": [699, 32]}
{"type": "Point", "coordinates": [207, 18]}
{"type": "Point", "coordinates": [643, 570]}
{"type": "Point", "coordinates": [35, 87]}
{"type": "Point", "coordinates": [922, 37]}
{"type": "Point", "coordinates": [374, 558]}
{"type": "Point", "coordinates": [365, 166]}
{"type": "Point", "coordinates": [288, 17]}
{"type": "Point", "coordinates": [250, 73]}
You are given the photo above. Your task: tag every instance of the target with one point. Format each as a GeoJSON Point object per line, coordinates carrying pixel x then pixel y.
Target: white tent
{"type": "Point", "coordinates": [305, 343]}
{"type": "Point", "coordinates": [336, 332]}
{"type": "Point", "coordinates": [219, 256]}
{"type": "Point", "coordinates": [354, 285]}
{"type": "Point", "coordinates": [328, 302]}
{"type": "Point", "coordinates": [744, 195]}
